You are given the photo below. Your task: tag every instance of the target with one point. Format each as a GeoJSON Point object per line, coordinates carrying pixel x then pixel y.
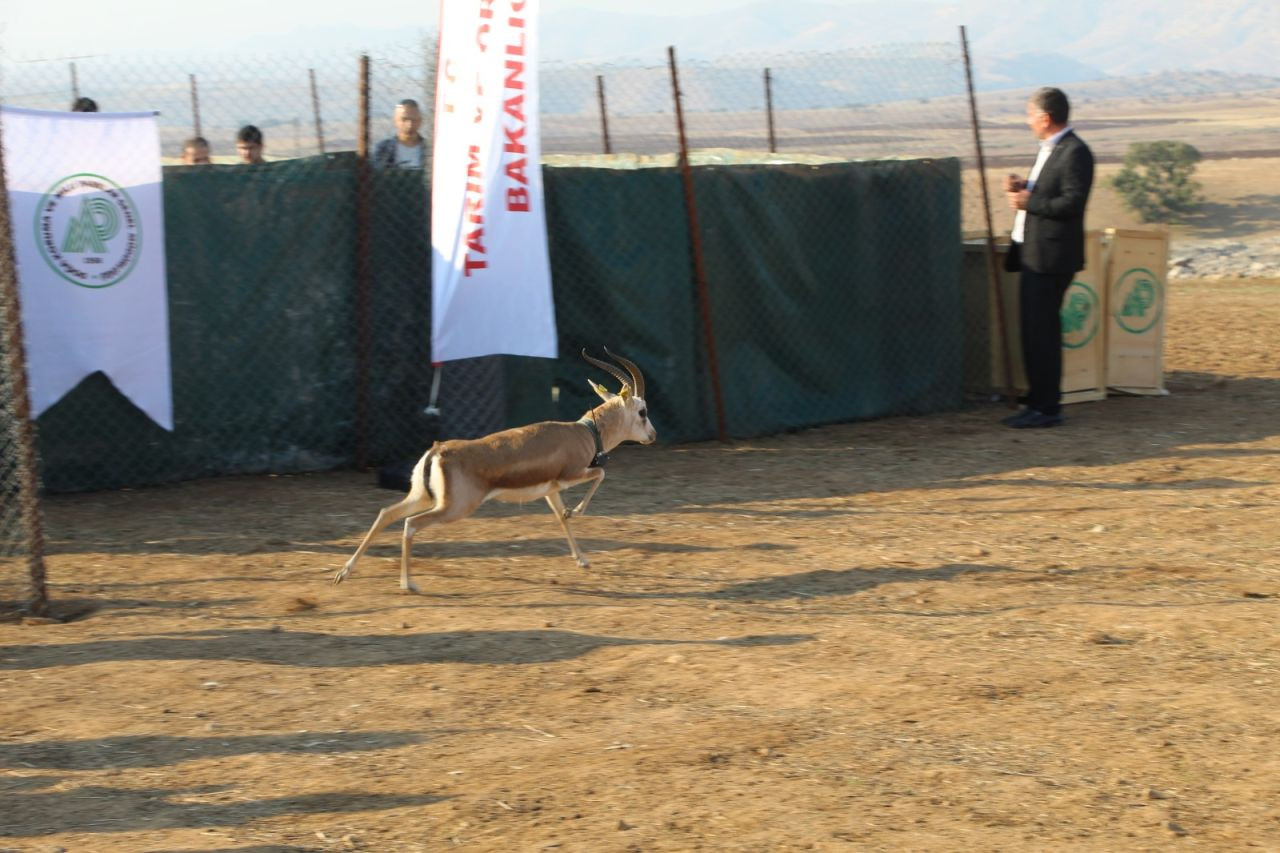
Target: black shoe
{"type": "Point", "coordinates": [1033, 418]}
{"type": "Point", "coordinates": [1013, 420]}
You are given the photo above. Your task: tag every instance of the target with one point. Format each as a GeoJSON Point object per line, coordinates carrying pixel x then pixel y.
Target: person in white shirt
{"type": "Point", "coordinates": [407, 149]}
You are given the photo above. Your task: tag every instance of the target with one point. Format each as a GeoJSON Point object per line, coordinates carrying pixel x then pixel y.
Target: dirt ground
{"type": "Point", "coordinates": [911, 634]}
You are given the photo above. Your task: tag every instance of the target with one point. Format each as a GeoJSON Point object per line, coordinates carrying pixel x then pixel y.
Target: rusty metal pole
{"type": "Point", "coordinates": [992, 268]}
{"type": "Point", "coordinates": [768, 107]}
{"type": "Point", "coordinates": [604, 115]}
{"type": "Point", "coordinates": [364, 277]}
{"type": "Point", "coordinates": [699, 265]}
{"type": "Point", "coordinates": [430, 73]}
{"type": "Point", "coordinates": [315, 108]}
{"type": "Point", "coordinates": [28, 477]}
{"type": "Point", "coordinates": [195, 104]}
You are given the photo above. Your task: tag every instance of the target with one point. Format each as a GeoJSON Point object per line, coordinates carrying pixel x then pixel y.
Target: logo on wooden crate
{"type": "Point", "coordinates": [1139, 300]}
{"type": "Point", "coordinates": [1080, 315]}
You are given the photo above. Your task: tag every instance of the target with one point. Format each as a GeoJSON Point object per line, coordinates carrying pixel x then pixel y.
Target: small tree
{"type": "Point", "coordinates": [1156, 183]}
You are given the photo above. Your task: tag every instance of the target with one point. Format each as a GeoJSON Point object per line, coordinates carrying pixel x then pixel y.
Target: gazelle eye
{"type": "Point", "coordinates": [643, 414]}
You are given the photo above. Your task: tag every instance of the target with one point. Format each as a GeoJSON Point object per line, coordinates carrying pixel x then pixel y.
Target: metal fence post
{"type": "Point", "coordinates": [699, 265]}
{"type": "Point", "coordinates": [768, 107]}
{"type": "Point", "coordinates": [26, 467]}
{"type": "Point", "coordinates": [315, 108]}
{"type": "Point", "coordinates": [364, 278]}
{"type": "Point", "coordinates": [604, 114]}
{"type": "Point", "coordinates": [195, 105]}
{"type": "Point", "coordinates": [992, 268]}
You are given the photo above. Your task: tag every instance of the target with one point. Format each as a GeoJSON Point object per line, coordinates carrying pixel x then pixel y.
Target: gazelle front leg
{"type": "Point", "coordinates": [597, 475]}
{"type": "Point", "coordinates": [562, 515]}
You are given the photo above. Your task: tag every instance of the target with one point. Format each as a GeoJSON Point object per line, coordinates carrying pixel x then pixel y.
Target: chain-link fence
{"type": "Point", "coordinates": [888, 101]}
{"type": "Point", "coordinates": [894, 101]}
{"type": "Point", "coordinates": [773, 285]}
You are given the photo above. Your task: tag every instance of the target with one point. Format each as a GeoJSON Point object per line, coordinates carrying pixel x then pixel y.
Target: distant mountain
{"type": "Point", "coordinates": [1011, 43]}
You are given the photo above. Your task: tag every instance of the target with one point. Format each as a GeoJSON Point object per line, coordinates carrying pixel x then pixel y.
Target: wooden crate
{"type": "Point", "coordinates": [1137, 279]}
{"type": "Point", "coordinates": [1083, 339]}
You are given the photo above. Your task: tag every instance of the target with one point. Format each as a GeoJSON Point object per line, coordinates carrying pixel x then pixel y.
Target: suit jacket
{"type": "Point", "coordinates": [1053, 240]}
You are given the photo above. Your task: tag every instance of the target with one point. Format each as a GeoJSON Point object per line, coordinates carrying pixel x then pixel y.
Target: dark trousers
{"type": "Point", "coordinates": [1041, 318]}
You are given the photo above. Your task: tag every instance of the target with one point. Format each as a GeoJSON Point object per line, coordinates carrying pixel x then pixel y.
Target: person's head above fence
{"type": "Point", "coordinates": [1047, 112]}
{"type": "Point", "coordinates": [406, 149]}
{"type": "Point", "coordinates": [249, 144]}
{"type": "Point", "coordinates": [84, 105]}
{"type": "Point", "coordinates": [195, 151]}
{"type": "Point", "coordinates": [408, 119]}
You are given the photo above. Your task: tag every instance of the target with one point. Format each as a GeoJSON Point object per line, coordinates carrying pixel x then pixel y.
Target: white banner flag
{"type": "Point", "coordinates": [88, 223]}
{"type": "Point", "coordinates": [491, 279]}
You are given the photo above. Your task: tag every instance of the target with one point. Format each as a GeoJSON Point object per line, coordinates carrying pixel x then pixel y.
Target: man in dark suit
{"type": "Point", "coordinates": [1048, 249]}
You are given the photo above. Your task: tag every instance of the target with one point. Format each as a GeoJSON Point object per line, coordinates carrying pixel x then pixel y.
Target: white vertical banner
{"type": "Point", "coordinates": [490, 275]}
{"type": "Point", "coordinates": [88, 222]}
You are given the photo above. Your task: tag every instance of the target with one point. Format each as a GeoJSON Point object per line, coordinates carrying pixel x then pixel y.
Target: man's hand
{"type": "Point", "coordinates": [1018, 200]}
{"type": "Point", "coordinates": [1013, 184]}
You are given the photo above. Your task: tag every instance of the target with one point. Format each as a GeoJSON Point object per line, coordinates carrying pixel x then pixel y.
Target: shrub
{"type": "Point", "coordinates": [1156, 183]}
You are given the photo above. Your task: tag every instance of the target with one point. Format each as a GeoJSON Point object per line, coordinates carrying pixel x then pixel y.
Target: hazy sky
{"type": "Point", "coordinates": [71, 27]}
{"type": "Point", "coordinates": [48, 29]}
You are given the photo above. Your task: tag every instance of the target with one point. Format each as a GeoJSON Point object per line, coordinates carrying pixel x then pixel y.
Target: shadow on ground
{"type": "Point", "coordinates": [309, 649]}
{"type": "Point", "coordinates": [125, 751]}
{"type": "Point", "coordinates": [822, 583]}
{"type": "Point", "coordinates": [97, 808]}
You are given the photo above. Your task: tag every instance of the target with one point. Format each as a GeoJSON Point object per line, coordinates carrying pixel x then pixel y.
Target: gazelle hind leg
{"type": "Point", "coordinates": [442, 513]}
{"type": "Point", "coordinates": [417, 501]}
{"type": "Point", "coordinates": [412, 505]}
{"type": "Point", "coordinates": [557, 506]}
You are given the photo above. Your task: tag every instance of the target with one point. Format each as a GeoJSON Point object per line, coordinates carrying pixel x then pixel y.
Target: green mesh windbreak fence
{"type": "Point", "coordinates": [622, 273]}
{"type": "Point", "coordinates": [260, 267]}
{"type": "Point", "coordinates": [834, 289]}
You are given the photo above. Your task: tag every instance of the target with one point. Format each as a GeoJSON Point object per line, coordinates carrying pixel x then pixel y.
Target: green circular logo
{"type": "Point", "coordinates": [1139, 300]}
{"type": "Point", "coordinates": [1080, 315]}
{"type": "Point", "coordinates": [89, 231]}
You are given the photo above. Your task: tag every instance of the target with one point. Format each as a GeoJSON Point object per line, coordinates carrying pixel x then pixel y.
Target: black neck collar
{"type": "Point", "coordinates": [600, 458]}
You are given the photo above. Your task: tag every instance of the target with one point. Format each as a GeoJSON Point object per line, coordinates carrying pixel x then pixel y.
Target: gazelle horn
{"type": "Point", "coordinates": [637, 378]}
{"type": "Point", "coordinates": [612, 370]}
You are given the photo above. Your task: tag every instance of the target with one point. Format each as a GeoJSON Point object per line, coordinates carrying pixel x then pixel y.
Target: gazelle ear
{"type": "Point", "coordinates": [604, 393]}
{"type": "Point", "coordinates": [625, 393]}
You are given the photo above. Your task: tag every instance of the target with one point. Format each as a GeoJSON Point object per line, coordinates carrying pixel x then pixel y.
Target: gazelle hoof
{"type": "Point", "coordinates": [583, 564]}
{"type": "Point", "coordinates": [340, 575]}
{"type": "Point", "coordinates": [409, 589]}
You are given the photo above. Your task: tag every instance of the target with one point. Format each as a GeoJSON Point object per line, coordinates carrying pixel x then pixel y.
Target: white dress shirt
{"type": "Point", "coordinates": [1046, 148]}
